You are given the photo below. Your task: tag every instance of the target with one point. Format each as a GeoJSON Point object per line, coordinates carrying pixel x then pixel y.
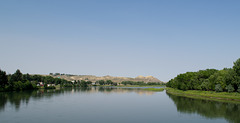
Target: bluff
{"type": "Point", "coordinates": [93, 78]}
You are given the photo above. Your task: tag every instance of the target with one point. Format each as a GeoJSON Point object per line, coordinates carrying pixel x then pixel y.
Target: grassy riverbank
{"type": "Point", "coordinates": [209, 95]}
{"type": "Point", "coordinates": [133, 85]}
{"type": "Point", "coordinates": [154, 89]}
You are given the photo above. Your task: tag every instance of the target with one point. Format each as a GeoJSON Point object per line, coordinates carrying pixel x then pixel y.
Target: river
{"type": "Point", "coordinates": [111, 105]}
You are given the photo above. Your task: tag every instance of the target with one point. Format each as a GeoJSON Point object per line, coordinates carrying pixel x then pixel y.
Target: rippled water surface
{"type": "Point", "coordinates": [111, 105]}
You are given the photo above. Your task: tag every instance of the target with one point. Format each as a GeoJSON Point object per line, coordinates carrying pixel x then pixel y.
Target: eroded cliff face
{"type": "Point", "coordinates": [92, 78]}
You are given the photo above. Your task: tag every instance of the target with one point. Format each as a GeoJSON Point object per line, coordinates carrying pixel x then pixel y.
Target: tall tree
{"type": "Point", "coordinates": [17, 76]}
{"type": "Point", "coordinates": [3, 79]}
{"type": "Point", "coordinates": [101, 82]}
{"type": "Point", "coordinates": [109, 82]}
{"type": "Point", "coordinates": [236, 67]}
{"type": "Point", "coordinates": [83, 83]}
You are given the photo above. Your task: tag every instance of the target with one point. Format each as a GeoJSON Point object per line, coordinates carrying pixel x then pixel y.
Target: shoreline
{"type": "Point", "coordinates": [131, 86]}
{"type": "Point", "coordinates": [206, 95]}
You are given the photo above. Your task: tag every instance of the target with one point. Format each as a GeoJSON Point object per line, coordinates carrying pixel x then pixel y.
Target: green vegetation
{"type": "Point", "coordinates": [67, 85]}
{"type": "Point", "coordinates": [3, 79]}
{"type": "Point", "coordinates": [226, 80]}
{"type": "Point", "coordinates": [121, 85]}
{"type": "Point", "coordinates": [19, 81]}
{"type": "Point", "coordinates": [49, 87]}
{"type": "Point", "coordinates": [15, 82]}
{"type": "Point", "coordinates": [207, 108]}
{"type": "Point", "coordinates": [154, 89]}
{"type": "Point", "coordinates": [107, 82]}
{"type": "Point", "coordinates": [84, 84]}
{"type": "Point", "coordinates": [210, 95]}
{"type": "Point", "coordinates": [141, 83]}
{"type": "Point", "coordinates": [78, 83]}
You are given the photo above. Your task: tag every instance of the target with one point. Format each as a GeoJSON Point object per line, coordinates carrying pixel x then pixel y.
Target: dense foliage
{"type": "Point", "coordinates": [14, 82]}
{"type": "Point", "coordinates": [3, 79]}
{"type": "Point", "coordinates": [227, 79]}
{"type": "Point", "coordinates": [19, 81]}
{"type": "Point", "coordinates": [49, 87]}
{"type": "Point", "coordinates": [107, 82]}
{"type": "Point", "coordinates": [207, 108]}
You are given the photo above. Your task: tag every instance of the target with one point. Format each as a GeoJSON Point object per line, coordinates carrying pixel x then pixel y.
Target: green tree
{"type": "Point", "coordinates": [124, 82]}
{"type": "Point", "coordinates": [236, 67]}
{"type": "Point", "coordinates": [115, 84]}
{"type": "Point", "coordinates": [205, 85]}
{"type": "Point", "coordinates": [83, 83]}
{"type": "Point", "coordinates": [109, 82]}
{"type": "Point", "coordinates": [45, 85]}
{"type": "Point", "coordinates": [238, 90]}
{"type": "Point", "coordinates": [230, 88]}
{"type": "Point", "coordinates": [218, 88]}
{"type": "Point", "coordinates": [209, 79]}
{"type": "Point", "coordinates": [18, 86]}
{"type": "Point", "coordinates": [89, 82]}
{"type": "Point", "coordinates": [26, 77]}
{"type": "Point", "coordinates": [3, 79]}
{"type": "Point", "coordinates": [17, 76]}
{"type": "Point", "coordinates": [101, 82]}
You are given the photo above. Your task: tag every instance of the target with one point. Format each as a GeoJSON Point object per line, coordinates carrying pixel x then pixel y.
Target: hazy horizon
{"type": "Point", "coordinates": [118, 38]}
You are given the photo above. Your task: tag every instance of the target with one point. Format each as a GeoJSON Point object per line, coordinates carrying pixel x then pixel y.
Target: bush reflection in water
{"type": "Point", "coordinates": [17, 98]}
{"type": "Point", "coordinates": [207, 108]}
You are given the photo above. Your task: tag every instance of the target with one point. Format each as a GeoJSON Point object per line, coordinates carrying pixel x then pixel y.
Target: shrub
{"type": "Point", "coordinates": [50, 87]}
{"type": "Point", "coordinates": [238, 90]}
{"type": "Point", "coordinates": [67, 85]}
{"type": "Point", "coordinates": [230, 88]}
{"type": "Point", "coordinates": [218, 88]}
{"type": "Point", "coordinates": [18, 86]}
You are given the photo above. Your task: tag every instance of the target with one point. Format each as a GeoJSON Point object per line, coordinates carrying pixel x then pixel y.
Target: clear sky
{"type": "Point", "coordinates": [162, 38]}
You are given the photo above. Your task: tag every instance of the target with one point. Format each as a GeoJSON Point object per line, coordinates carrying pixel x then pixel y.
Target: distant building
{"type": "Point", "coordinates": [40, 84]}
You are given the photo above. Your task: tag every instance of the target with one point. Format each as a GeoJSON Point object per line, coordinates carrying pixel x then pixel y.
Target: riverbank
{"type": "Point", "coordinates": [132, 85]}
{"type": "Point", "coordinates": [209, 95]}
{"type": "Point", "coordinates": [154, 89]}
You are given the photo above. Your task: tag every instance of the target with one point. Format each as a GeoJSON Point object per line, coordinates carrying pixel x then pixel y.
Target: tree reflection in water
{"type": "Point", "coordinates": [207, 108]}
{"type": "Point", "coordinates": [16, 99]}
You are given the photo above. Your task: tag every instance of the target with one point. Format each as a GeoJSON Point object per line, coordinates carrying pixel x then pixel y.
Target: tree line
{"type": "Point", "coordinates": [19, 81]}
{"type": "Point", "coordinates": [141, 83]}
{"type": "Point", "coordinates": [14, 82]}
{"type": "Point", "coordinates": [227, 80]}
{"type": "Point", "coordinates": [107, 82]}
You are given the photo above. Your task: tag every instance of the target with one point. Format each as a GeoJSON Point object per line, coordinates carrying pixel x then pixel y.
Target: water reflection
{"type": "Point", "coordinates": [208, 109]}
{"type": "Point", "coordinates": [108, 90]}
{"type": "Point", "coordinates": [17, 98]}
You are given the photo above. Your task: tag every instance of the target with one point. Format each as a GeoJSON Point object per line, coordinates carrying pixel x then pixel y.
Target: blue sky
{"type": "Point", "coordinates": [118, 38]}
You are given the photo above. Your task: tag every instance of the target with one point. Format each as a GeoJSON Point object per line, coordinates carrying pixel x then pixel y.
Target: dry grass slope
{"type": "Point", "coordinates": [114, 79]}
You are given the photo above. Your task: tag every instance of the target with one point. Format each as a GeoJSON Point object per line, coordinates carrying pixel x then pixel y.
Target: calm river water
{"type": "Point", "coordinates": [111, 105]}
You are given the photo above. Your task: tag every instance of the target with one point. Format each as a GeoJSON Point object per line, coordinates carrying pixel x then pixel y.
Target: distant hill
{"type": "Point", "coordinates": [114, 79]}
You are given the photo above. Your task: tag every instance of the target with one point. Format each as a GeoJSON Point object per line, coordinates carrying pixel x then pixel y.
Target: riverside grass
{"type": "Point", "coordinates": [135, 85]}
{"type": "Point", "coordinates": [209, 95]}
{"type": "Point", "coordinates": [154, 89]}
